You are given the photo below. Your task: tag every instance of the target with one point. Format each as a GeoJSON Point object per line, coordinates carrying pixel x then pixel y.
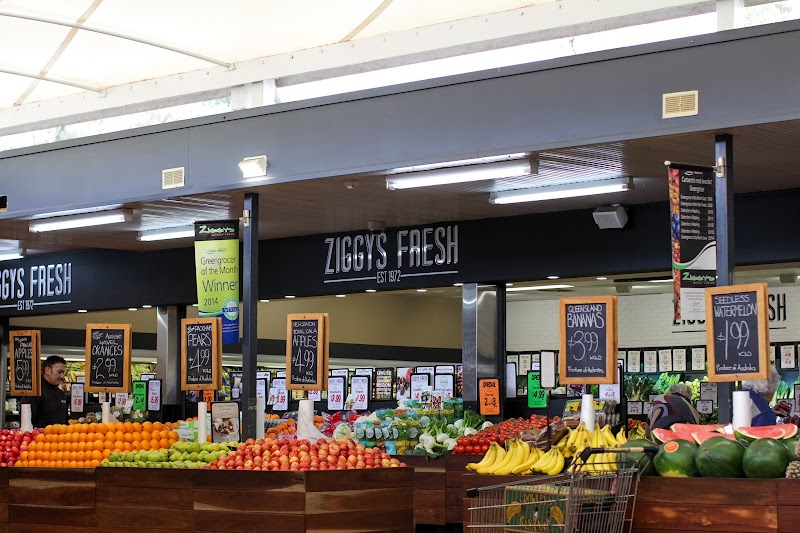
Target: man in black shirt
{"type": "Point", "coordinates": [51, 406]}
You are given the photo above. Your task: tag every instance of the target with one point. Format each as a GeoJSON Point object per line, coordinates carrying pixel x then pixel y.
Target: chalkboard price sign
{"type": "Point", "coordinates": [25, 349]}
{"type": "Point", "coordinates": [588, 340]}
{"type": "Point", "coordinates": [307, 338]}
{"type": "Point", "coordinates": [201, 354]}
{"type": "Point", "coordinates": [737, 332]}
{"type": "Point", "coordinates": [108, 357]}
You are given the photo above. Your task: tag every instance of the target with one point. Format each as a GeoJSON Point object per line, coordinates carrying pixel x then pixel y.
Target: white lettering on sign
{"type": "Point", "coordinates": [26, 289]}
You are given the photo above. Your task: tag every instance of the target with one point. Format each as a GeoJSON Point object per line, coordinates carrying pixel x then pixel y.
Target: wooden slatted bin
{"type": "Point", "coordinates": [161, 499]}
{"type": "Point", "coordinates": [429, 489]}
{"type": "Point", "coordinates": [45, 499]}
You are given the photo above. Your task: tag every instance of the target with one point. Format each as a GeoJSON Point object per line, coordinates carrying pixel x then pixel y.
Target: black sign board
{"type": "Point", "coordinates": [588, 340]}
{"type": "Point", "coordinates": [200, 354]}
{"type": "Point", "coordinates": [108, 353]}
{"type": "Point", "coordinates": [25, 349]}
{"type": "Point", "coordinates": [307, 351]}
{"type": "Point", "coordinates": [737, 332]}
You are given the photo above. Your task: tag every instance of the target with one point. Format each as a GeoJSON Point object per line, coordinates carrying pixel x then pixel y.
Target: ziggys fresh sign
{"type": "Point", "coordinates": [393, 256]}
{"type": "Point", "coordinates": [24, 289]}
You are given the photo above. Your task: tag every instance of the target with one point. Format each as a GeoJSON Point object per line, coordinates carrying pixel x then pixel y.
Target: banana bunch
{"type": "Point", "coordinates": [599, 438]}
{"type": "Point", "coordinates": [519, 459]}
{"type": "Point", "coordinates": [550, 463]}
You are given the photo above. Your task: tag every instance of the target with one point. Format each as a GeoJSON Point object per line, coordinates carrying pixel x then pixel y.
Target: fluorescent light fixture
{"type": "Point", "coordinates": [7, 255]}
{"type": "Point", "coordinates": [601, 278]}
{"type": "Point", "coordinates": [458, 284]}
{"type": "Point", "coordinates": [555, 192]}
{"type": "Point", "coordinates": [642, 287]}
{"type": "Point", "coordinates": [539, 288]}
{"type": "Point", "coordinates": [422, 290]}
{"type": "Point", "coordinates": [370, 290]}
{"type": "Point", "coordinates": [263, 301]}
{"type": "Point", "coordinates": [552, 277]}
{"type": "Point", "coordinates": [81, 221]}
{"type": "Point", "coordinates": [146, 306]}
{"type": "Point", "coordinates": [289, 296]}
{"type": "Point", "coordinates": [341, 295]}
{"type": "Point", "coordinates": [195, 305]}
{"type": "Point", "coordinates": [509, 284]}
{"type": "Point", "coordinates": [132, 309]}
{"type": "Point", "coordinates": [459, 174]}
{"type": "Point", "coordinates": [660, 280]}
{"type": "Point", "coordinates": [82, 311]}
{"type": "Point", "coordinates": [253, 167]}
{"type": "Point", "coordinates": [180, 232]}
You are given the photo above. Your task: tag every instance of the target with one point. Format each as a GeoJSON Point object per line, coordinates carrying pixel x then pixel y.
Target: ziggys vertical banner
{"type": "Point", "coordinates": [216, 256]}
{"type": "Point", "coordinates": [694, 241]}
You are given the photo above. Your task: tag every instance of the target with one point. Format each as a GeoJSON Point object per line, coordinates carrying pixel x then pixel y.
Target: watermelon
{"type": "Point", "coordinates": [791, 446]}
{"type": "Point", "coordinates": [765, 458]}
{"type": "Point", "coordinates": [676, 458]}
{"type": "Point", "coordinates": [703, 436]}
{"type": "Point", "coordinates": [628, 460]}
{"type": "Point", "coordinates": [664, 435]}
{"type": "Point", "coordinates": [695, 428]}
{"type": "Point", "coordinates": [720, 457]}
{"type": "Point", "coordinates": [777, 432]}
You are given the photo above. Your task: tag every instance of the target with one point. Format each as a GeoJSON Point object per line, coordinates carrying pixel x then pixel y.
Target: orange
{"type": "Point", "coordinates": [48, 430]}
{"type": "Point", "coordinates": [118, 445]}
{"type": "Point", "coordinates": [75, 437]}
{"type": "Point", "coordinates": [128, 437]}
{"type": "Point", "coordinates": [23, 456]}
{"type": "Point", "coordinates": [128, 427]}
{"type": "Point", "coordinates": [101, 428]}
{"type": "Point", "coordinates": [98, 444]}
{"type": "Point", "coordinates": [106, 453]}
{"type": "Point", "coordinates": [158, 426]}
{"type": "Point", "coordinates": [83, 428]}
{"type": "Point", "coordinates": [70, 429]}
{"type": "Point", "coordinates": [95, 463]}
{"type": "Point", "coordinates": [39, 438]}
{"type": "Point", "coordinates": [146, 435]}
{"type": "Point", "coordinates": [163, 443]}
{"type": "Point", "coordinates": [147, 426]}
{"type": "Point", "coordinates": [154, 444]}
{"type": "Point", "coordinates": [137, 427]}
{"type": "Point", "coordinates": [137, 436]}
{"type": "Point", "coordinates": [59, 464]}
{"type": "Point", "coordinates": [119, 426]}
{"type": "Point", "coordinates": [127, 447]}
{"type": "Point", "coordinates": [108, 444]}
{"type": "Point", "coordinates": [73, 464]}
{"type": "Point", "coordinates": [89, 436]}
{"type": "Point", "coordinates": [97, 455]}
{"type": "Point", "coordinates": [172, 441]}
{"type": "Point", "coordinates": [81, 446]}
{"type": "Point", "coordinates": [173, 435]}
{"type": "Point", "coordinates": [145, 444]}
{"type": "Point", "coordinates": [92, 427]}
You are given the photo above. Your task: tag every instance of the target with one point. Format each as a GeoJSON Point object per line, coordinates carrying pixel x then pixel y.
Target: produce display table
{"type": "Point", "coordinates": [132, 499]}
{"type": "Point", "coordinates": [429, 489]}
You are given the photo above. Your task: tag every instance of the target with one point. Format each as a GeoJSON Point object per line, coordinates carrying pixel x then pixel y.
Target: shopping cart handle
{"type": "Point", "coordinates": [587, 452]}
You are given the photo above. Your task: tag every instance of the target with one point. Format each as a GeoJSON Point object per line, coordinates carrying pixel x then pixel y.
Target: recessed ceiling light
{"type": "Point", "coordinates": [422, 290]}
{"type": "Point", "coordinates": [164, 234]}
{"type": "Point", "coordinates": [81, 221]}
{"type": "Point", "coordinates": [132, 309]}
{"type": "Point", "coordinates": [458, 284]}
{"type": "Point", "coordinates": [539, 288]}
{"type": "Point", "coordinates": [641, 287]}
{"type": "Point", "coordinates": [195, 305]}
{"type": "Point", "coordinates": [82, 311]}
{"type": "Point", "coordinates": [146, 306]}
{"type": "Point", "coordinates": [660, 280]}
{"type": "Point", "coordinates": [552, 277]}
{"type": "Point", "coordinates": [370, 290]}
{"type": "Point", "coordinates": [341, 295]}
{"type": "Point", "coordinates": [253, 167]}
{"type": "Point", "coordinates": [289, 296]}
{"type": "Point", "coordinates": [601, 278]}
{"type": "Point", "coordinates": [263, 301]}
{"type": "Point", "coordinates": [509, 284]}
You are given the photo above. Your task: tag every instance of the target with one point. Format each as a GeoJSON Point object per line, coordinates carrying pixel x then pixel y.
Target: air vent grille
{"type": "Point", "coordinates": [683, 104]}
{"type": "Point", "coordinates": [173, 178]}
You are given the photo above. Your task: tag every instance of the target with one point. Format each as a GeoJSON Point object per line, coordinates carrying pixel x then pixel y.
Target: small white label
{"type": "Point", "coordinates": [650, 361]}
{"type": "Point", "coordinates": [261, 388]}
{"type": "Point", "coordinates": [315, 395]}
{"type": "Point", "coordinates": [76, 398]}
{"type": "Point", "coordinates": [335, 393]}
{"type": "Point", "coordinates": [121, 401]}
{"type": "Point", "coordinates": [634, 408]}
{"type": "Point", "coordinates": [281, 395]}
{"type": "Point", "coordinates": [705, 407]}
{"type": "Point", "coordinates": [634, 361]}
{"type": "Point", "coordinates": [787, 356]}
{"type": "Point", "coordinates": [418, 383]}
{"type": "Point", "coordinates": [679, 360]}
{"type": "Point", "coordinates": [646, 406]}
{"type": "Point", "coordinates": [698, 359]}
{"type": "Point", "coordinates": [445, 384]}
{"type": "Point", "coordinates": [524, 364]}
{"type": "Point", "coordinates": [665, 360]}
{"type": "Point", "coordinates": [359, 387]}
{"type": "Point", "coordinates": [154, 395]}
{"type": "Point", "coordinates": [772, 353]}
{"type": "Point", "coordinates": [708, 391]}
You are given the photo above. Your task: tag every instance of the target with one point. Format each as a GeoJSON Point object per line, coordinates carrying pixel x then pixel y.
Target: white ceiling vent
{"type": "Point", "coordinates": [173, 178]}
{"type": "Point", "coordinates": [683, 104]}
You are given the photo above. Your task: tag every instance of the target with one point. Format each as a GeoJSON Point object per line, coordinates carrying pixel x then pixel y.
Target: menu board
{"type": "Point", "coordinates": [108, 357]}
{"type": "Point", "coordinates": [737, 332]}
{"type": "Point", "coordinates": [201, 354]}
{"type": "Point", "coordinates": [384, 379]}
{"type": "Point", "coordinates": [25, 348]}
{"type": "Point", "coordinates": [588, 340]}
{"type": "Point", "coordinates": [307, 337]}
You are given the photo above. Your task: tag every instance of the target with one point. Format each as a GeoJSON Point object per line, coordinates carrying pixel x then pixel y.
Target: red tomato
{"type": "Point", "coordinates": [469, 449]}
{"type": "Point", "coordinates": [460, 448]}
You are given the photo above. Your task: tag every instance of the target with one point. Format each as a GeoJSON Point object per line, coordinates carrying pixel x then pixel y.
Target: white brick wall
{"type": "Point", "coordinates": [645, 321]}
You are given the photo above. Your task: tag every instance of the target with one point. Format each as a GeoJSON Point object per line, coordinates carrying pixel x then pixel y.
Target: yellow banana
{"type": "Point", "coordinates": [526, 449]}
{"type": "Point", "coordinates": [608, 437]}
{"type": "Point", "coordinates": [558, 466]}
{"type": "Point", "coordinates": [621, 436]}
{"type": "Point", "coordinates": [506, 460]}
{"type": "Point", "coordinates": [525, 467]}
{"type": "Point", "coordinates": [517, 458]}
{"type": "Point", "coordinates": [544, 459]}
{"type": "Point", "coordinates": [573, 434]}
{"type": "Point", "coordinates": [550, 462]}
{"type": "Point", "coordinates": [499, 456]}
{"type": "Point", "coordinates": [488, 458]}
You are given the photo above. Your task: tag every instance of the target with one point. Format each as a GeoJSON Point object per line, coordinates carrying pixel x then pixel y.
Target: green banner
{"type": "Point", "coordinates": [537, 396]}
{"type": "Point", "coordinates": [139, 395]}
{"type": "Point", "coordinates": [216, 253]}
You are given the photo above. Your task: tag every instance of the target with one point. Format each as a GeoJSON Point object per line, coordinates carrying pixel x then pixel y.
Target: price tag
{"type": "Point", "coordinates": [76, 398]}
{"type": "Point", "coordinates": [81, 379]}
{"type": "Point", "coordinates": [359, 387]}
{"type": "Point", "coordinates": [698, 359]}
{"type": "Point", "coordinates": [153, 395]}
{"type": "Point", "coordinates": [147, 377]}
{"type": "Point", "coordinates": [512, 358]}
{"type": "Point", "coordinates": [665, 360]}
{"type": "Point", "coordinates": [445, 384]}
{"type": "Point", "coordinates": [622, 357]}
{"type": "Point", "coordinates": [121, 401]}
{"type": "Point", "coordinates": [281, 395]}
{"type": "Point", "coordinates": [307, 339]}
{"type": "Point", "coordinates": [708, 391]}
{"type": "Point", "coordinates": [787, 356]}
{"type": "Point", "coordinates": [679, 360]}
{"type": "Point", "coordinates": [705, 407]}
{"type": "Point", "coordinates": [261, 388]}
{"type": "Point", "coordinates": [646, 406]}
{"type": "Point", "coordinates": [139, 395]}
{"type": "Point", "coordinates": [315, 395]}
{"type": "Point", "coordinates": [272, 395]}
{"type": "Point", "coordinates": [634, 362]}
{"type": "Point", "coordinates": [634, 408]}
{"type": "Point", "coordinates": [489, 396]}
{"type": "Point", "coordinates": [280, 373]}
{"type": "Point", "coordinates": [537, 396]}
{"type": "Point", "coordinates": [335, 393]}
{"type": "Point", "coordinates": [650, 361]}
{"type": "Point", "coordinates": [524, 364]}
{"type": "Point", "coordinates": [418, 383]}
{"type": "Point", "coordinates": [437, 399]}
{"type": "Point", "coordinates": [446, 369]}
{"type": "Point", "coordinates": [208, 396]}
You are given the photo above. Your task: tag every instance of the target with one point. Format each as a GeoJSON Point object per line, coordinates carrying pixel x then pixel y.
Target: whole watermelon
{"type": "Point", "coordinates": [765, 458]}
{"type": "Point", "coordinates": [720, 457]}
{"type": "Point", "coordinates": [791, 446]}
{"type": "Point", "coordinates": [629, 460]}
{"type": "Point", "coordinates": [676, 459]}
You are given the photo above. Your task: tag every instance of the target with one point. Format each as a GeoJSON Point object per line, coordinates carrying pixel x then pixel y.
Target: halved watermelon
{"type": "Point", "coordinates": [696, 427]}
{"type": "Point", "coordinates": [701, 436]}
{"type": "Point", "coordinates": [664, 435]}
{"type": "Point", "coordinates": [778, 431]}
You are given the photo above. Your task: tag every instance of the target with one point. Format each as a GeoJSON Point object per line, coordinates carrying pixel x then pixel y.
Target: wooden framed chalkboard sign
{"type": "Point", "coordinates": [737, 332]}
{"type": "Point", "coordinates": [25, 348]}
{"type": "Point", "coordinates": [108, 357]}
{"type": "Point", "coordinates": [588, 354]}
{"type": "Point", "coordinates": [201, 353]}
{"type": "Point", "coordinates": [307, 337]}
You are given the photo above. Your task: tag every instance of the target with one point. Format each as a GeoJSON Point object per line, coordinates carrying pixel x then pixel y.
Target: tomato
{"type": "Point", "coordinates": [460, 448]}
{"type": "Point", "coordinates": [484, 448]}
{"type": "Point", "coordinates": [469, 449]}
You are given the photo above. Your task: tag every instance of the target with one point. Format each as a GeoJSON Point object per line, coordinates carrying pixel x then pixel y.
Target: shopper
{"type": "Point", "coordinates": [761, 393]}
{"type": "Point", "coordinates": [51, 406]}
{"type": "Point", "coordinates": [673, 408]}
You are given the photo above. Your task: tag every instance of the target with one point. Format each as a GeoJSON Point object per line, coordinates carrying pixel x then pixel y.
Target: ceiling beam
{"type": "Point", "coordinates": [60, 81]}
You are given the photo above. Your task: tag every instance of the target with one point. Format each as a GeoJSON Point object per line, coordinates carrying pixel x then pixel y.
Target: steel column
{"type": "Point", "coordinates": [250, 421]}
{"type": "Point", "coordinates": [168, 341]}
{"type": "Point", "coordinates": [483, 337]}
{"type": "Point", "coordinates": [723, 147]}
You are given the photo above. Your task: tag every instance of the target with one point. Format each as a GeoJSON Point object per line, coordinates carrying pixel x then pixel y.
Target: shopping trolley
{"type": "Point", "coordinates": [588, 499]}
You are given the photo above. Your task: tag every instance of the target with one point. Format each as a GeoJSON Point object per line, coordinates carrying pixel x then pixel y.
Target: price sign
{"type": "Point", "coordinates": [281, 395]}
{"type": "Point", "coordinates": [76, 398]}
{"type": "Point", "coordinates": [335, 393]}
{"type": "Point", "coordinates": [708, 391]}
{"type": "Point", "coordinates": [788, 356]}
{"type": "Point", "coordinates": [154, 395]}
{"type": "Point", "coordinates": [307, 351]}
{"type": "Point", "coordinates": [698, 359]}
{"type": "Point", "coordinates": [384, 379]}
{"type": "Point", "coordinates": [646, 406]}
{"type": "Point", "coordinates": [705, 407]}
{"type": "Point", "coordinates": [208, 396]}
{"type": "Point", "coordinates": [635, 408]}
{"type": "Point", "coordinates": [634, 361]}
{"type": "Point", "coordinates": [315, 395]}
{"type": "Point", "coordinates": [650, 361]}
{"type": "Point", "coordinates": [418, 383]}
{"type": "Point", "coordinates": [201, 354]}
{"type": "Point", "coordinates": [588, 340]}
{"type": "Point", "coordinates": [225, 422]}
{"type": "Point", "coordinates": [537, 396]}
{"type": "Point", "coordinates": [25, 347]}
{"type": "Point", "coordinates": [108, 357]}
{"type": "Point", "coordinates": [737, 332]}
{"type": "Point", "coordinates": [359, 386]}
{"type": "Point", "coordinates": [430, 370]}
{"type": "Point", "coordinates": [489, 396]}
{"type": "Point", "coordinates": [261, 388]}
{"type": "Point", "coordinates": [147, 377]}
{"type": "Point", "coordinates": [445, 384]}
{"type": "Point", "coordinates": [139, 395]}
{"type": "Point", "coordinates": [679, 360]}
{"type": "Point", "coordinates": [524, 364]}
{"type": "Point", "coordinates": [665, 360]}
{"type": "Point", "coordinates": [272, 396]}
{"type": "Point", "coordinates": [121, 401]}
